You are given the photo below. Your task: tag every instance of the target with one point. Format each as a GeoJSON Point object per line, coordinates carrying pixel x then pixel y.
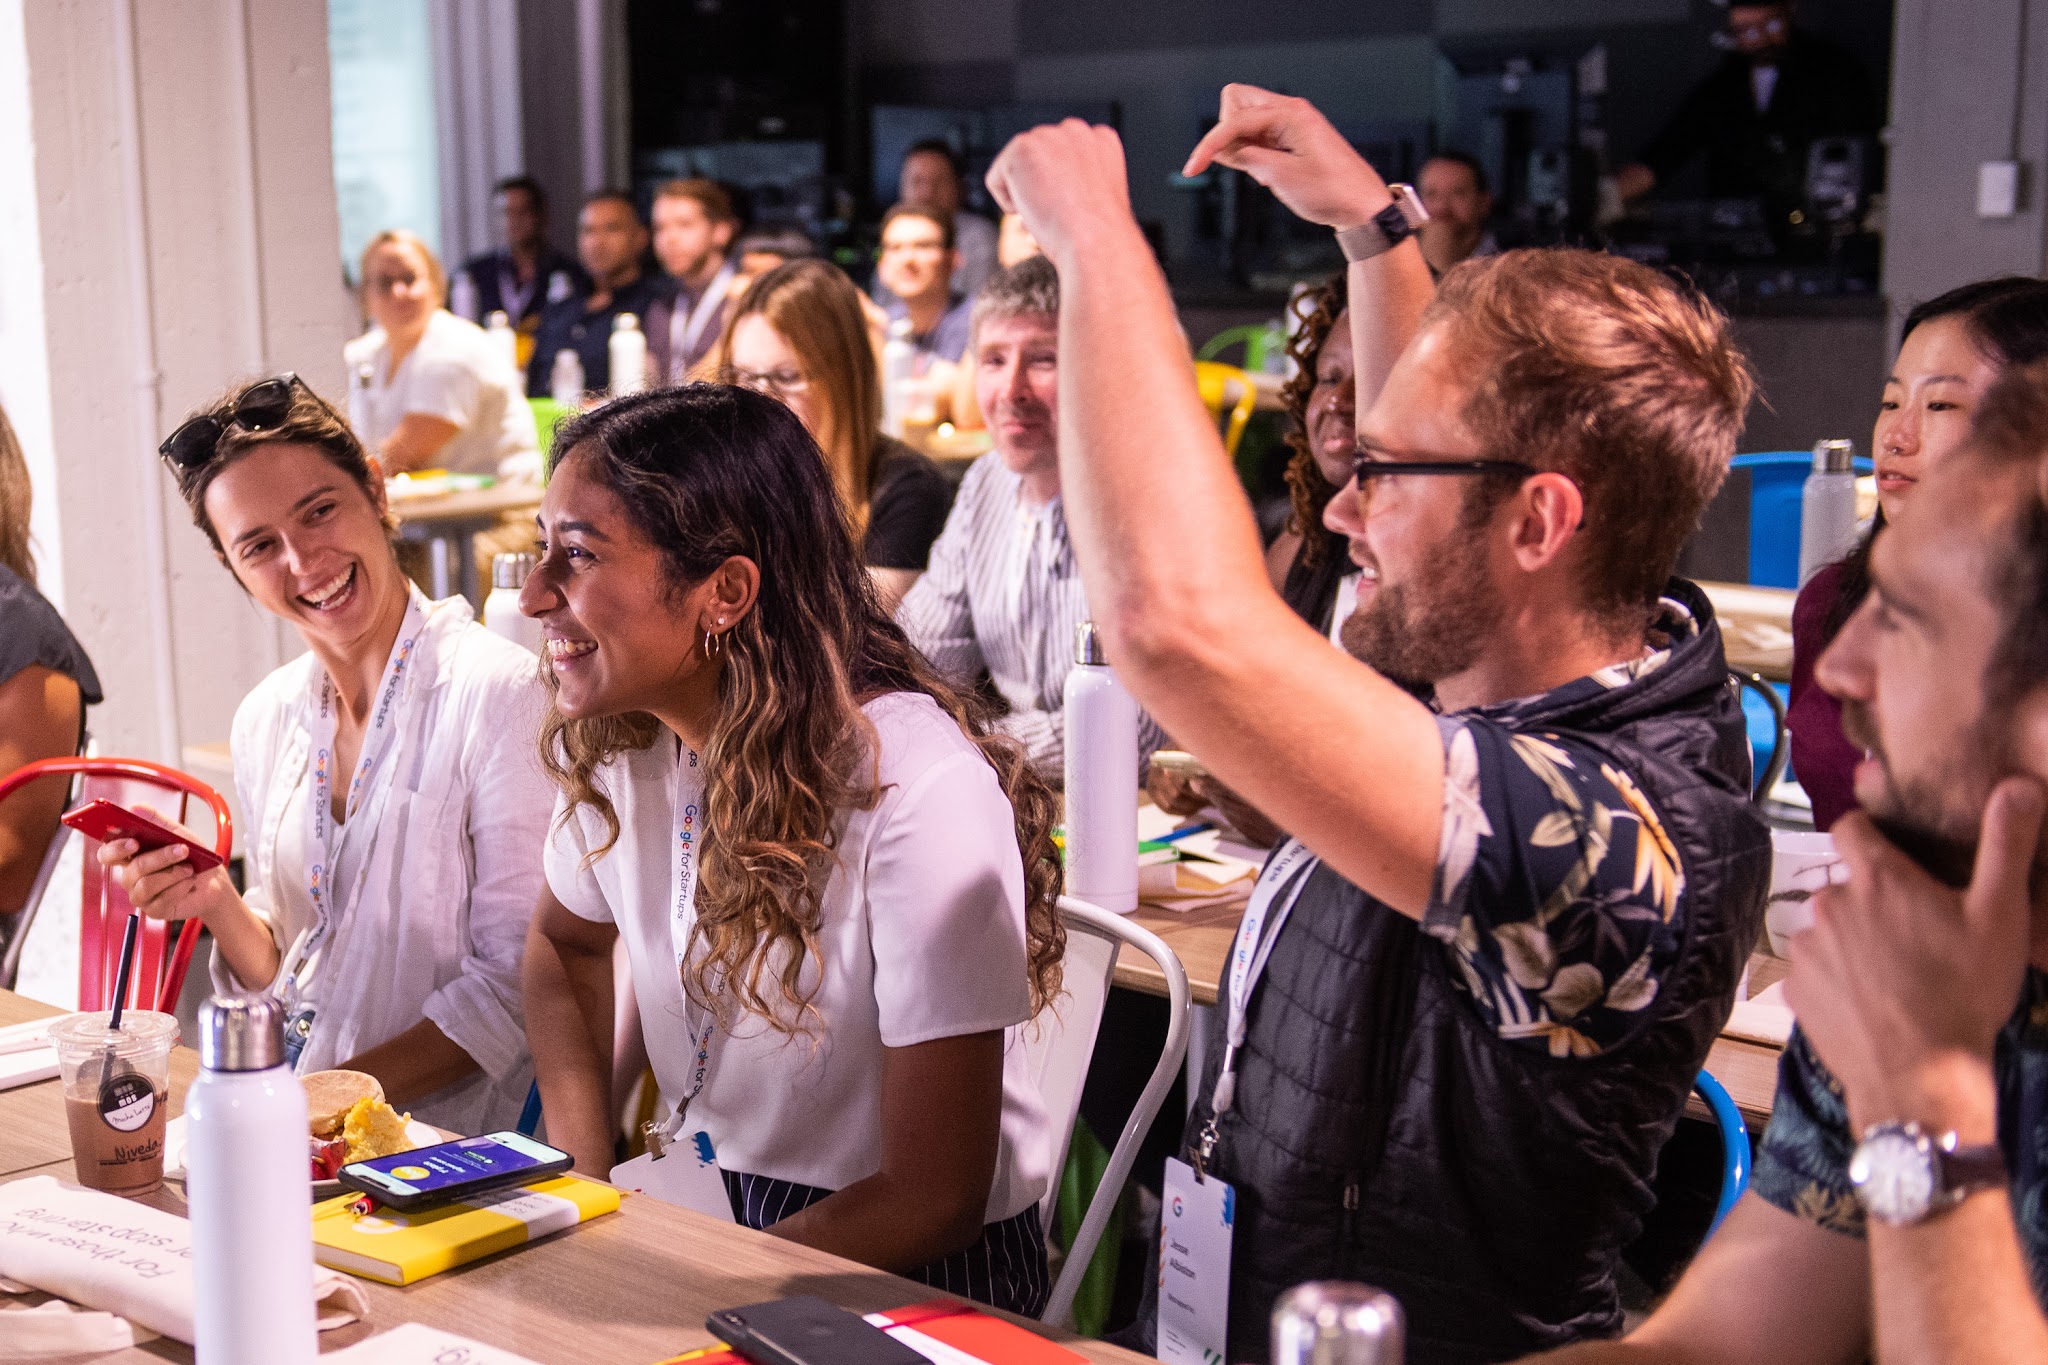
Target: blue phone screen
{"type": "Point", "coordinates": [428, 1169]}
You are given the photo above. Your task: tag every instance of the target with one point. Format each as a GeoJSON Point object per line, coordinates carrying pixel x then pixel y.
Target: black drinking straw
{"type": "Point", "coordinates": [127, 966]}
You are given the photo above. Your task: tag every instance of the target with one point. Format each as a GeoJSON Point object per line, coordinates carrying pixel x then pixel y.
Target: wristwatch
{"type": "Point", "coordinates": [1903, 1174]}
{"type": "Point", "coordinates": [1387, 229]}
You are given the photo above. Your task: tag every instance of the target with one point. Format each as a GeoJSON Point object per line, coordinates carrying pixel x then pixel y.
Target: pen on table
{"type": "Point", "coordinates": [1174, 836]}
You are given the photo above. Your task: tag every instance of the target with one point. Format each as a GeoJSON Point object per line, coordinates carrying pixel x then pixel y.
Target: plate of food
{"type": "Point", "coordinates": [346, 1120]}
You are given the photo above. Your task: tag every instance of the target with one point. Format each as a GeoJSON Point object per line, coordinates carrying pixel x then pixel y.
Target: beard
{"type": "Point", "coordinates": [1935, 817]}
{"type": "Point", "coordinates": [1431, 629]}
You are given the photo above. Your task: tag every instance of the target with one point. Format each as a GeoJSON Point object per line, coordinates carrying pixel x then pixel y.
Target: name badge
{"type": "Point", "coordinates": [686, 1176]}
{"type": "Point", "coordinates": [1195, 1227]}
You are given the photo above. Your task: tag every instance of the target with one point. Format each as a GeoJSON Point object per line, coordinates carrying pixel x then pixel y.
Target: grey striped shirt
{"type": "Point", "coordinates": [1003, 593]}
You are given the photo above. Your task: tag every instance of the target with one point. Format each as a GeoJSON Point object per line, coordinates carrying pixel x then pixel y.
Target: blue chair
{"type": "Point", "coordinates": [1769, 733]}
{"type": "Point", "coordinates": [1777, 480]}
{"type": "Point", "coordinates": [1735, 1154]}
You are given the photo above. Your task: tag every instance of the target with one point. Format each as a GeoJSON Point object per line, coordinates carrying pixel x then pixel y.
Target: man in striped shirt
{"type": "Point", "coordinates": [1002, 594]}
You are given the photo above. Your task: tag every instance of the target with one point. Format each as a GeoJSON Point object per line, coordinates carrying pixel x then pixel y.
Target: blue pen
{"type": "Point", "coordinates": [1183, 832]}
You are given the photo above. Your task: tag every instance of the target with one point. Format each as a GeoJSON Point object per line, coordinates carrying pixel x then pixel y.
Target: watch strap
{"type": "Point", "coordinates": [1386, 230]}
{"type": "Point", "coordinates": [1966, 1169]}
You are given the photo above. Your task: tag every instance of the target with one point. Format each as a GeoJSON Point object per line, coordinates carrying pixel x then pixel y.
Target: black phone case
{"type": "Point", "coordinates": [806, 1330]}
{"type": "Point", "coordinates": [453, 1194]}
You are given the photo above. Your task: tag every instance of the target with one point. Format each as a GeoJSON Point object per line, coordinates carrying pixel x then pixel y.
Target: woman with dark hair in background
{"type": "Point", "coordinates": [799, 335]}
{"type": "Point", "coordinates": [46, 682]}
{"type": "Point", "coordinates": [389, 886]}
{"type": "Point", "coordinates": [836, 889]}
{"type": "Point", "coordinates": [1951, 350]}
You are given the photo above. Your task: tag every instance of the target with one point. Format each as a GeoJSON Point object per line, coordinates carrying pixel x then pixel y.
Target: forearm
{"type": "Point", "coordinates": [887, 1222]}
{"type": "Point", "coordinates": [569, 1025]}
{"type": "Point", "coordinates": [246, 943]}
{"type": "Point", "coordinates": [415, 1063]}
{"type": "Point", "coordinates": [1388, 294]}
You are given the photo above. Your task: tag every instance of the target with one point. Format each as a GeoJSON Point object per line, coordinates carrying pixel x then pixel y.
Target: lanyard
{"type": "Point", "coordinates": [324, 844]}
{"type": "Point", "coordinates": [686, 330]}
{"type": "Point", "coordinates": [1280, 886]}
{"type": "Point", "coordinates": [688, 794]}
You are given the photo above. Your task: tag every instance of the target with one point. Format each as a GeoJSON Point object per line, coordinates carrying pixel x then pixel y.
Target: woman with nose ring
{"type": "Point", "coordinates": [837, 891]}
{"type": "Point", "coordinates": [394, 801]}
{"type": "Point", "coordinates": [1951, 350]}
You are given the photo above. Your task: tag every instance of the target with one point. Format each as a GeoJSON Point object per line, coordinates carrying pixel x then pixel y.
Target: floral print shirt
{"type": "Point", "coordinates": [1803, 1165]}
{"type": "Point", "coordinates": [1557, 890]}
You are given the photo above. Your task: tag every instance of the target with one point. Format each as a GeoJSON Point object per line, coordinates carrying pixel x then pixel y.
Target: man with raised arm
{"type": "Point", "coordinates": [1472, 993]}
{"type": "Point", "coordinates": [1899, 1210]}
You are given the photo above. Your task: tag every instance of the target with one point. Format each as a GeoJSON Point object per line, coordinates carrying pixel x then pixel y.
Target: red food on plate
{"type": "Point", "coordinates": [329, 1156]}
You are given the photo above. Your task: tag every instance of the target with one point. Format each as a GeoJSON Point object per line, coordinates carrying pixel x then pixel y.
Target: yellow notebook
{"type": "Point", "coordinates": [398, 1248]}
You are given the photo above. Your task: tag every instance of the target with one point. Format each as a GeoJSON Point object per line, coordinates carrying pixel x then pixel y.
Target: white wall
{"type": "Point", "coordinates": [169, 228]}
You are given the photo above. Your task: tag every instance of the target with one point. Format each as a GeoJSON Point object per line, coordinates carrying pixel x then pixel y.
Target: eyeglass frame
{"type": "Point", "coordinates": [1364, 466]}
{"type": "Point", "coordinates": [167, 448]}
{"type": "Point", "coordinates": [765, 383]}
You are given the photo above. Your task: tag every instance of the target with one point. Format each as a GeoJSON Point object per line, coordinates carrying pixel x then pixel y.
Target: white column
{"type": "Point", "coordinates": [169, 228]}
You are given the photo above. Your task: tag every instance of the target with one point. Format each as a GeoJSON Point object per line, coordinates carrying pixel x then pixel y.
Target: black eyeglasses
{"type": "Point", "coordinates": [1365, 466]}
{"type": "Point", "coordinates": [262, 406]}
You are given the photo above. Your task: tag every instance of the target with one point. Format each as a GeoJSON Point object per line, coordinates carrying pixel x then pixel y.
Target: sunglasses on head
{"type": "Point", "coordinates": [260, 407]}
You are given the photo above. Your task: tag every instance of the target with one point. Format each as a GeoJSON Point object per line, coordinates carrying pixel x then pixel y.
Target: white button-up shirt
{"type": "Point", "coordinates": [454, 869]}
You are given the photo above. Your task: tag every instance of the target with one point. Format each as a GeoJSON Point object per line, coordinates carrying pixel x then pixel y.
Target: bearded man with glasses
{"type": "Point", "coordinates": [1472, 992]}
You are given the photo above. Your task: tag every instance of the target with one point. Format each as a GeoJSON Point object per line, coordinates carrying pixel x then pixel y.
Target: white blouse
{"type": "Point", "coordinates": [453, 871]}
{"type": "Point", "coordinates": [921, 937]}
{"type": "Point", "coordinates": [453, 374]}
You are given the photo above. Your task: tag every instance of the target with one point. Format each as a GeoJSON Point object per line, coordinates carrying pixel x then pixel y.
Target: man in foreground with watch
{"type": "Point", "coordinates": [1897, 1208]}
{"type": "Point", "coordinates": [1473, 991]}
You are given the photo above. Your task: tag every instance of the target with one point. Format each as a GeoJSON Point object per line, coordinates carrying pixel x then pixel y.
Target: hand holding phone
{"type": "Point", "coordinates": [107, 822]}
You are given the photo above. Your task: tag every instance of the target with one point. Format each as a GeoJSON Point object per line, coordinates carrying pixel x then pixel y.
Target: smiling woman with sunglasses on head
{"type": "Point", "coordinates": [799, 335]}
{"type": "Point", "coordinates": [836, 890]}
{"type": "Point", "coordinates": [393, 798]}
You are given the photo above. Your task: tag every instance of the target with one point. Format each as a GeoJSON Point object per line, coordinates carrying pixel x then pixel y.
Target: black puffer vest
{"type": "Point", "coordinates": [1384, 1132]}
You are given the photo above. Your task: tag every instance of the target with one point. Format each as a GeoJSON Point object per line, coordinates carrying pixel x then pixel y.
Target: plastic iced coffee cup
{"type": "Point", "coordinates": [117, 1092]}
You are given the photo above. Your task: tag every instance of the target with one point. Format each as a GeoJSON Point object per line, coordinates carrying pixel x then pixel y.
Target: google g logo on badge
{"type": "Point", "coordinates": [1176, 1206]}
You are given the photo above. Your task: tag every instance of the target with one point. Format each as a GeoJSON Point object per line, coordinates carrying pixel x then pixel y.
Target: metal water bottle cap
{"type": "Point", "coordinates": [1088, 644]}
{"type": "Point", "coordinates": [1332, 1322]}
{"type": "Point", "coordinates": [241, 1033]}
{"type": "Point", "coordinates": [510, 570]}
{"type": "Point", "coordinates": [1837, 456]}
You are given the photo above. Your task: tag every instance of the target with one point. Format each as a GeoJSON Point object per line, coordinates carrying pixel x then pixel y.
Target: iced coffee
{"type": "Point", "coordinates": [117, 1097]}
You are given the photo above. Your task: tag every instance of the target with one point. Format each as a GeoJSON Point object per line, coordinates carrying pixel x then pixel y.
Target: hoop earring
{"type": "Point", "coordinates": [714, 645]}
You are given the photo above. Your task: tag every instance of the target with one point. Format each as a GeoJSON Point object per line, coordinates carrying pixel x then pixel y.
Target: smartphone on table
{"type": "Point", "coordinates": [106, 822]}
{"type": "Point", "coordinates": [449, 1172]}
{"type": "Point", "coordinates": [805, 1330]}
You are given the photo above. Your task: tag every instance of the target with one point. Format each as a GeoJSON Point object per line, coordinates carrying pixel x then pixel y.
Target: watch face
{"type": "Point", "coordinates": [1893, 1173]}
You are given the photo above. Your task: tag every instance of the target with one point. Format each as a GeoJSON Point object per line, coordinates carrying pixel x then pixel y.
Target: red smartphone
{"type": "Point", "coordinates": [104, 821]}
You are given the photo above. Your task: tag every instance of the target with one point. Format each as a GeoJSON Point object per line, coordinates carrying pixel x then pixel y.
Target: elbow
{"type": "Point", "coordinates": [957, 1223]}
{"type": "Point", "coordinates": [1156, 647]}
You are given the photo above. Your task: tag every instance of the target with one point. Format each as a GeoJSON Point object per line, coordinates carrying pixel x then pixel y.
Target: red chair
{"type": "Point", "coordinates": [160, 966]}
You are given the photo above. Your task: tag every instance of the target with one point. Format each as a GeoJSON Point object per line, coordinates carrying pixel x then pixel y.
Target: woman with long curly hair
{"type": "Point", "coordinates": [837, 890]}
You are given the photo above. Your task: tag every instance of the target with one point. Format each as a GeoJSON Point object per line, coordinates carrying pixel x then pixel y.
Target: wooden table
{"type": "Point", "coordinates": [625, 1289]}
{"type": "Point", "coordinates": [1756, 627]}
{"type": "Point", "coordinates": [446, 522]}
{"type": "Point", "coordinates": [1202, 939]}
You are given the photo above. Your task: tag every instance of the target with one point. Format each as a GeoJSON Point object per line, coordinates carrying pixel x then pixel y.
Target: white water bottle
{"type": "Point", "coordinates": [504, 341]}
{"type": "Point", "coordinates": [1827, 508]}
{"type": "Point", "coordinates": [565, 381]}
{"type": "Point", "coordinates": [899, 374]}
{"type": "Point", "coordinates": [1102, 780]}
{"type": "Point", "coordinates": [627, 352]}
{"type": "Point", "coordinates": [502, 616]}
{"type": "Point", "coordinates": [245, 1183]}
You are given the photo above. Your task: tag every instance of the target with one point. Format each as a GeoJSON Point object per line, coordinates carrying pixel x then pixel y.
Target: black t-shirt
{"type": "Point", "coordinates": [907, 508]}
{"type": "Point", "coordinates": [32, 633]}
{"type": "Point", "coordinates": [572, 325]}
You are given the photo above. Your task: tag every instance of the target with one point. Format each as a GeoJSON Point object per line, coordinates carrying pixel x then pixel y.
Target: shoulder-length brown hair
{"type": "Point", "coordinates": [816, 309]}
{"type": "Point", "coordinates": [1316, 312]}
{"type": "Point", "coordinates": [708, 472]}
{"type": "Point", "coordinates": [16, 497]}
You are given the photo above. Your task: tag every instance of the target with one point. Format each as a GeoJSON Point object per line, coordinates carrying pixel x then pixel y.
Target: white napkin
{"type": "Point", "coordinates": [25, 1056]}
{"type": "Point", "coordinates": [418, 1344]}
{"type": "Point", "coordinates": [107, 1252]}
{"type": "Point", "coordinates": [57, 1328]}
{"type": "Point", "coordinates": [1766, 1018]}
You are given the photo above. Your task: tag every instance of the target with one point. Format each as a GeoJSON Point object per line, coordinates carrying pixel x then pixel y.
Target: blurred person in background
{"type": "Point", "coordinates": [612, 243]}
{"type": "Point", "coordinates": [1014, 244]}
{"type": "Point", "coordinates": [916, 265]}
{"type": "Point", "coordinates": [1952, 349]}
{"type": "Point", "coordinates": [798, 335]}
{"type": "Point", "coordinates": [46, 682]}
{"type": "Point", "coordinates": [694, 224]}
{"type": "Point", "coordinates": [1452, 187]}
{"type": "Point", "coordinates": [427, 389]}
{"type": "Point", "coordinates": [933, 175]}
{"type": "Point", "coordinates": [760, 249]}
{"type": "Point", "coordinates": [389, 890]}
{"type": "Point", "coordinates": [525, 275]}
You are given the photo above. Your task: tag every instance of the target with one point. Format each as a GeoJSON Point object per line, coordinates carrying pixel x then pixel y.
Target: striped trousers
{"type": "Point", "coordinates": [1006, 1269]}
